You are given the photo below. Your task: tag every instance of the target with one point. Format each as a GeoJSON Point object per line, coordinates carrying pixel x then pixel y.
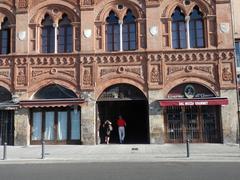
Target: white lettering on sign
{"type": "Point", "coordinates": [201, 103]}
{"type": "Point", "coordinates": [192, 103]}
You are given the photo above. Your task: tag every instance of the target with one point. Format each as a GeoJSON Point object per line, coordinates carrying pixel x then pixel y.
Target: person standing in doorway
{"type": "Point", "coordinates": [107, 126]}
{"type": "Point", "coordinates": [121, 128]}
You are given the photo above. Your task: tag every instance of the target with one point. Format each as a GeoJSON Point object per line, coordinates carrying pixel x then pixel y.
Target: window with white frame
{"type": "Point", "coordinates": [57, 37]}
{"type": "Point", "coordinates": [121, 34]}
{"type": "Point", "coordinates": [48, 35]}
{"type": "Point", "coordinates": [65, 35]}
{"type": "Point", "coordinates": [187, 31]}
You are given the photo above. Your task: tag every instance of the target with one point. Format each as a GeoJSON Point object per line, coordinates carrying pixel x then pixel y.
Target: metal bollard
{"type": "Point", "coordinates": [5, 151]}
{"type": "Point", "coordinates": [187, 143]}
{"type": "Point", "coordinates": [43, 150]}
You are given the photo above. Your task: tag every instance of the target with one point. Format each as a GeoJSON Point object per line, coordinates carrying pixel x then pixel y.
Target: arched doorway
{"type": "Point", "coordinates": [6, 117]}
{"type": "Point", "coordinates": [55, 116]}
{"type": "Point", "coordinates": [192, 111]}
{"type": "Point", "coordinates": [129, 102]}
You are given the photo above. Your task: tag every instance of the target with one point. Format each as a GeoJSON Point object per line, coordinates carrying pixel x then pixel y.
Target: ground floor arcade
{"type": "Point", "coordinates": [151, 118]}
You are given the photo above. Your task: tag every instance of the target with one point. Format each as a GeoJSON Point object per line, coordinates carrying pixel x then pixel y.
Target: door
{"type": "Point", "coordinates": [198, 123]}
{"type": "Point", "coordinates": [192, 124]}
{"type": "Point", "coordinates": [174, 124]}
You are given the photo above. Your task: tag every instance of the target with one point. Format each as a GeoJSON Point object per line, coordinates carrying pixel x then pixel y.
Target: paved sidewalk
{"type": "Point", "coordinates": [121, 153]}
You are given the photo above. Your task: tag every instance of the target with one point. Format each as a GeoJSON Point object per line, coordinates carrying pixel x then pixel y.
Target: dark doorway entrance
{"type": "Point", "coordinates": [6, 127]}
{"type": "Point", "coordinates": [6, 117]}
{"type": "Point", "coordinates": [132, 105]}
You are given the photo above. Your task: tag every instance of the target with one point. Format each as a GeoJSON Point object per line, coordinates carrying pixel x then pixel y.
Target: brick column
{"type": "Point", "coordinates": [22, 127]}
{"type": "Point", "coordinates": [156, 118]}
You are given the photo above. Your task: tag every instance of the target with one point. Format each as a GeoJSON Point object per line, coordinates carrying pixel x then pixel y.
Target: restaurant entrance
{"type": "Point", "coordinates": [192, 111]}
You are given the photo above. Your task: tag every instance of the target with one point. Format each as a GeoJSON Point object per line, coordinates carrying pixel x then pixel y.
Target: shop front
{"type": "Point", "coordinates": [54, 116]}
{"type": "Point", "coordinates": [192, 111]}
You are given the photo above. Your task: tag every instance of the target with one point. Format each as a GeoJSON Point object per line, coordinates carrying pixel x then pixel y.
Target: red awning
{"type": "Point", "coordinates": [51, 102]}
{"type": "Point", "coordinates": [194, 102]}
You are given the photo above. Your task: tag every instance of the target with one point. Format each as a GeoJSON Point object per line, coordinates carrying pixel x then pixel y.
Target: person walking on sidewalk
{"type": "Point", "coordinates": [107, 126]}
{"type": "Point", "coordinates": [121, 128]}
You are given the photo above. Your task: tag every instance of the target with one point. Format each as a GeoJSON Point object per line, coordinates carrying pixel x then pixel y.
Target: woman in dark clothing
{"type": "Point", "coordinates": [107, 126]}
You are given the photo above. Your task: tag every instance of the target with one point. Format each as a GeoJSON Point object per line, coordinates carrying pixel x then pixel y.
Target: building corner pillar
{"type": "Point", "coordinates": [88, 122]}
{"type": "Point", "coordinates": [156, 118]}
{"type": "Point", "coordinates": [229, 116]}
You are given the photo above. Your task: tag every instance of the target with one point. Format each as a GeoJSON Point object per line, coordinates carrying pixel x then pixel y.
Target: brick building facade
{"type": "Point", "coordinates": [166, 66]}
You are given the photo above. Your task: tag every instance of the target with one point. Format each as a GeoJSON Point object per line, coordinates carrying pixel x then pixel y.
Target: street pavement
{"type": "Point", "coordinates": [122, 171]}
{"type": "Point", "coordinates": [121, 153]}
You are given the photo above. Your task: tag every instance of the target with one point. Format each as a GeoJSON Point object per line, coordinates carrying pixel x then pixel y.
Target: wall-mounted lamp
{"type": "Point", "coordinates": [15, 99]}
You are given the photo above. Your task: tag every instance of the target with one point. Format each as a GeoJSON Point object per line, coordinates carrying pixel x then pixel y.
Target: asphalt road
{"type": "Point", "coordinates": [123, 171]}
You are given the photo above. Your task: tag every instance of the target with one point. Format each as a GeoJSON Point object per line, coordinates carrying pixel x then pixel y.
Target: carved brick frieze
{"type": "Point", "coordinates": [87, 76]}
{"type": "Point", "coordinates": [38, 74]}
{"type": "Point", "coordinates": [135, 71]}
{"type": "Point", "coordinates": [190, 68]}
{"type": "Point", "coordinates": [22, 4]}
{"type": "Point", "coordinates": [49, 61]}
{"type": "Point", "coordinates": [205, 70]}
{"type": "Point", "coordinates": [227, 74]}
{"type": "Point", "coordinates": [87, 2]}
{"type": "Point", "coordinates": [156, 75]}
{"type": "Point", "coordinates": [22, 76]}
{"type": "Point", "coordinates": [123, 58]}
{"type": "Point", "coordinates": [4, 73]}
{"type": "Point", "coordinates": [192, 56]}
{"type": "Point", "coordinates": [4, 62]}
{"type": "Point", "coordinates": [215, 66]}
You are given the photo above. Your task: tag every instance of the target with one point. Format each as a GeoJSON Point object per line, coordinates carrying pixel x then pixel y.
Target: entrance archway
{"type": "Point", "coordinates": [55, 116]}
{"type": "Point", "coordinates": [129, 102]}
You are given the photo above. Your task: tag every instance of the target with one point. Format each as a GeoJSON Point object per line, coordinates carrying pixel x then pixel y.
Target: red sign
{"type": "Point", "coordinates": [194, 102]}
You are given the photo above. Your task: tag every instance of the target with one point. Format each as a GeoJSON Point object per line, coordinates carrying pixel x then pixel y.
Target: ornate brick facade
{"type": "Point", "coordinates": [154, 67]}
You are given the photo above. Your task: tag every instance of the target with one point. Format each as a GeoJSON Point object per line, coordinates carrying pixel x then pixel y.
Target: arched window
{"type": "Point", "coordinates": [179, 39]}
{"type": "Point", "coordinates": [129, 31]}
{"type": "Point", "coordinates": [196, 29]}
{"type": "Point", "coordinates": [65, 36]}
{"type": "Point", "coordinates": [5, 37]}
{"type": "Point", "coordinates": [112, 32]}
{"type": "Point", "coordinates": [48, 35]}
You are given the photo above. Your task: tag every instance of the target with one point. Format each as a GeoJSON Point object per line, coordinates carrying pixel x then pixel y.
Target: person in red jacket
{"type": "Point", "coordinates": [121, 128]}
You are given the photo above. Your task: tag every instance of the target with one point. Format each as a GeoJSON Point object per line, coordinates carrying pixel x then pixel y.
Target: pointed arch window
{"type": "Point", "coordinates": [196, 29]}
{"type": "Point", "coordinates": [129, 31]}
{"type": "Point", "coordinates": [179, 39]}
{"type": "Point", "coordinates": [48, 35]}
{"type": "Point", "coordinates": [65, 35]}
{"type": "Point", "coordinates": [5, 37]}
{"type": "Point", "coordinates": [113, 32]}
